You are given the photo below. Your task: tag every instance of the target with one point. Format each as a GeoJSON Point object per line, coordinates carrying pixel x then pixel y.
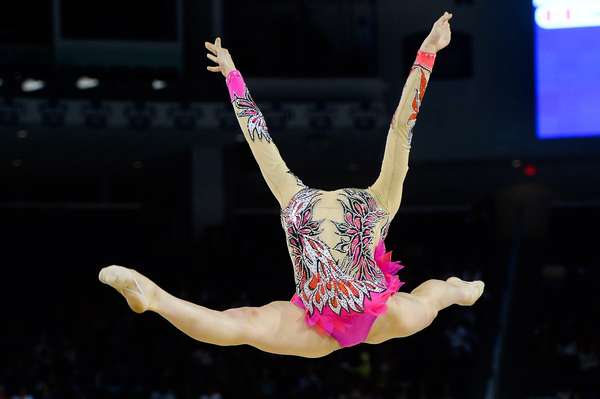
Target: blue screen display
{"type": "Point", "coordinates": [567, 68]}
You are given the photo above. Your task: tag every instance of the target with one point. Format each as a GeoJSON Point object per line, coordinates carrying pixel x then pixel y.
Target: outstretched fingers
{"type": "Point", "coordinates": [216, 54]}
{"type": "Point", "coordinates": [211, 47]}
{"type": "Point", "coordinates": [213, 55]}
{"type": "Point", "coordinates": [220, 56]}
{"type": "Point", "coordinates": [214, 47]}
{"type": "Point", "coordinates": [214, 68]}
{"type": "Point", "coordinates": [212, 58]}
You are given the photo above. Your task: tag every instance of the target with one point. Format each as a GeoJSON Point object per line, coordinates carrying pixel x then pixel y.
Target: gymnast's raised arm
{"type": "Point", "coordinates": [282, 182]}
{"type": "Point", "coordinates": [388, 185]}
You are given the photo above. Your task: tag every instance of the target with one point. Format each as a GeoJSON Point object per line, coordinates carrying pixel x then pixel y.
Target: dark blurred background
{"type": "Point", "coordinates": [118, 147]}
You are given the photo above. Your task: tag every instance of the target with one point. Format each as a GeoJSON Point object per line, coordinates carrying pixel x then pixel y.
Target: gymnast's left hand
{"type": "Point", "coordinates": [440, 35]}
{"type": "Point", "coordinates": [220, 56]}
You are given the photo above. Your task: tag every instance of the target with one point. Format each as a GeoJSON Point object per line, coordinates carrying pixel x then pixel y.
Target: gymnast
{"type": "Point", "coordinates": [347, 290]}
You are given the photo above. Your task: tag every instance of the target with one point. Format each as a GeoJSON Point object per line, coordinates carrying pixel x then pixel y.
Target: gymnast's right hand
{"type": "Point", "coordinates": [440, 35]}
{"type": "Point", "coordinates": [220, 56]}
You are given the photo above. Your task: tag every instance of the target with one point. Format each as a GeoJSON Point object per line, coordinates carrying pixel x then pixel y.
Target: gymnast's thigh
{"type": "Point", "coordinates": [406, 314]}
{"type": "Point", "coordinates": [284, 331]}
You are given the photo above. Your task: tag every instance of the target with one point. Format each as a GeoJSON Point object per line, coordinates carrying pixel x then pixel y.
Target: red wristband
{"type": "Point", "coordinates": [425, 59]}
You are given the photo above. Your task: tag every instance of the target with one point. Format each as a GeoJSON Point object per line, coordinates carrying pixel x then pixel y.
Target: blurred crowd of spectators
{"type": "Point", "coordinates": [555, 345]}
{"type": "Point", "coordinates": [560, 348]}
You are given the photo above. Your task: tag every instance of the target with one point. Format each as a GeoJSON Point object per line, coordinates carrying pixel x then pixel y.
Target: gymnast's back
{"type": "Point", "coordinates": [340, 227]}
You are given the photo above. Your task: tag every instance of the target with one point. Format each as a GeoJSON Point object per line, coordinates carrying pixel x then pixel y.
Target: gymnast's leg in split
{"type": "Point", "coordinates": [279, 326]}
{"type": "Point", "coordinates": [364, 298]}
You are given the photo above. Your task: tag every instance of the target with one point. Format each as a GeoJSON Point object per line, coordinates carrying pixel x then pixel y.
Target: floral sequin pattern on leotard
{"type": "Point", "coordinates": [320, 281]}
{"type": "Point", "coordinates": [361, 214]}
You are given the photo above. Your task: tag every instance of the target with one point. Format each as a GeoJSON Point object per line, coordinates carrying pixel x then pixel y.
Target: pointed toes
{"type": "Point", "coordinates": [110, 274]}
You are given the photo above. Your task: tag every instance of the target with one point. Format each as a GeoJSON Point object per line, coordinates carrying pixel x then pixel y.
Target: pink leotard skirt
{"type": "Point", "coordinates": [352, 328]}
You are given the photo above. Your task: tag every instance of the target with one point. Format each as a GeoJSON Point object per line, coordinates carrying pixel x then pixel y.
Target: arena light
{"type": "Point", "coordinates": [31, 85]}
{"type": "Point", "coordinates": [87, 83]}
{"type": "Point", "coordinates": [530, 170]}
{"type": "Point", "coordinates": [158, 84]}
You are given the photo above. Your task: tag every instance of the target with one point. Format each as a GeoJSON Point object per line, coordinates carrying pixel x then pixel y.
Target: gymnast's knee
{"type": "Point", "coordinates": [245, 325]}
{"type": "Point", "coordinates": [430, 310]}
{"type": "Point", "coordinates": [411, 314]}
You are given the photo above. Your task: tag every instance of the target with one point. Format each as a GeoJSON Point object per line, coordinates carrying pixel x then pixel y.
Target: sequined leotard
{"type": "Point", "coordinates": [336, 238]}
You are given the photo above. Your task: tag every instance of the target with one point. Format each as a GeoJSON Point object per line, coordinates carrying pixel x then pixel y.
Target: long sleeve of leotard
{"type": "Point", "coordinates": [388, 185]}
{"type": "Point", "coordinates": [281, 181]}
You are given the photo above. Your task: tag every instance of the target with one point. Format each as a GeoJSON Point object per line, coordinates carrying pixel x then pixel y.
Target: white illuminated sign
{"type": "Point", "coordinates": [562, 14]}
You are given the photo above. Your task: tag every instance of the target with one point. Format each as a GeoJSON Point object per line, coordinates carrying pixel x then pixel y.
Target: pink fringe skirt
{"type": "Point", "coordinates": [352, 328]}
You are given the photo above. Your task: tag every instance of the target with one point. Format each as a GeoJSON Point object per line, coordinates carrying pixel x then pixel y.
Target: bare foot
{"type": "Point", "coordinates": [139, 290]}
{"type": "Point", "coordinates": [472, 290]}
